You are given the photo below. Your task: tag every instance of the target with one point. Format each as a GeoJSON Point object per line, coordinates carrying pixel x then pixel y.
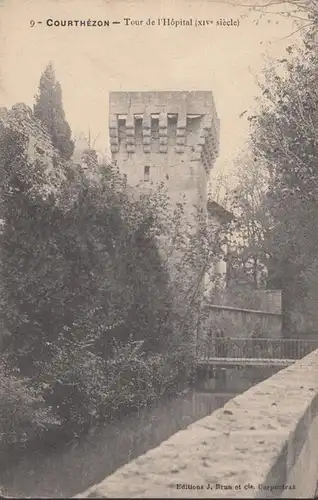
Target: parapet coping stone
{"type": "Point", "coordinates": [237, 446]}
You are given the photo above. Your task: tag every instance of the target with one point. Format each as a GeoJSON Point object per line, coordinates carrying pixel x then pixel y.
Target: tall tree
{"type": "Point", "coordinates": [49, 110]}
{"type": "Point", "coordinates": [285, 139]}
{"type": "Point", "coordinates": [252, 224]}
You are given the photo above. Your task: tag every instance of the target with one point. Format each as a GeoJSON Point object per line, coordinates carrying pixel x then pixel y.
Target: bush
{"type": "Point", "coordinates": [93, 316]}
{"type": "Point", "coordinates": [24, 415]}
{"type": "Point", "coordinates": [83, 388]}
{"type": "Point", "coordinates": [86, 266]}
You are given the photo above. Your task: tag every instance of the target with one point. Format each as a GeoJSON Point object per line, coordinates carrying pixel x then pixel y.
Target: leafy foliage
{"type": "Point", "coordinates": [284, 134]}
{"type": "Point", "coordinates": [24, 415]}
{"type": "Point", "coordinates": [101, 286]}
{"type": "Point", "coordinates": [86, 262]}
{"type": "Point", "coordinates": [85, 287]}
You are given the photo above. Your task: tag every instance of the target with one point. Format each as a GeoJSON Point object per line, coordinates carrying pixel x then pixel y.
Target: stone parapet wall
{"type": "Point", "coordinates": [149, 120]}
{"type": "Point", "coordinates": [261, 444]}
{"type": "Point", "coordinates": [170, 137]}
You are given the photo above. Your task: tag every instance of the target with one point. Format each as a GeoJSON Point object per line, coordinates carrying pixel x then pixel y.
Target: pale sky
{"type": "Point", "coordinates": [91, 61]}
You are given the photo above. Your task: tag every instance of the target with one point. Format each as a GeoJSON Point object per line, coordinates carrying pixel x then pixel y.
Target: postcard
{"type": "Point", "coordinates": [158, 248]}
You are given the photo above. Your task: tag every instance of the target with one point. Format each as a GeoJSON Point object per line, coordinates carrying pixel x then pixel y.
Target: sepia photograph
{"type": "Point", "coordinates": [159, 249]}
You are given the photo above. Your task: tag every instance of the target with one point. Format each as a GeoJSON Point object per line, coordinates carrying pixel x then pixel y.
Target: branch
{"type": "Point", "coordinates": [297, 30]}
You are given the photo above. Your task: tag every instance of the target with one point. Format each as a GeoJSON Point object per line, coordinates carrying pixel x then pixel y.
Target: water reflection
{"type": "Point", "coordinates": [67, 473]}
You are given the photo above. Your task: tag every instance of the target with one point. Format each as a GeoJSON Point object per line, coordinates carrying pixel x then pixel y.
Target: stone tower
{"type": "Point", "coordinates": [165, 136]}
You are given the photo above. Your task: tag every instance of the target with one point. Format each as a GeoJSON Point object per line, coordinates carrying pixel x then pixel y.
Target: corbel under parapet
{"type": "Point", "coordinates": [181, 132]}
{"type": "Point", "coordinates": [146, 132]}
{"type": "Point", "coordinates": [163, 132]}
{"type": "Point", "coordinates": [130, 133]}
{"type": "Point", "coordinates": [113, 133]}
{"type": "Point", "coordinates": [207, 142]}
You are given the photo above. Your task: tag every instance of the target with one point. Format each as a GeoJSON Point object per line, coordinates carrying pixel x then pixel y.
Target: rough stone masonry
{"type": "Point", "coordinates": [170, 137]}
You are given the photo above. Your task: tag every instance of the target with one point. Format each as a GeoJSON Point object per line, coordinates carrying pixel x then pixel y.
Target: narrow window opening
{"type": "Point", "coordinates": [147, 174]}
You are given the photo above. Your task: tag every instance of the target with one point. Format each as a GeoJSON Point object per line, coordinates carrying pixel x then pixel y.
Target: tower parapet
{"type": "Point", "coordinates": [165, 136]}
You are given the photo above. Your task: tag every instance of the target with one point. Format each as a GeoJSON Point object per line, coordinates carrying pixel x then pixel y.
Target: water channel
{"type": "Point", "coordinates": [70, 471]}
{"type": "Point", "coordinates": [66, 472]}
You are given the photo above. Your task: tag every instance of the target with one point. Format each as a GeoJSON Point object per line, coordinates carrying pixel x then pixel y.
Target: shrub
{"type": "Point", "coordinates": [84, 388]}
{"type": "Point", "coordinates": [24, 415]}
{"type": "Point", "coordinates": [92, 313]}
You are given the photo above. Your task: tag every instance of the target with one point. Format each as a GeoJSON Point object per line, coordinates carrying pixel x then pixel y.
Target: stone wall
{"type": "Point", "coordinates": [269, 300]}
{"type": "Point", "coordinates": [261, 444]}
{"type": "Point", "coordinates": [38, 142]}
{"type": "Point", "coordinates": [20, 118]}
{"type": "Point", "coordinates": [246, 297]}
{"type": "Point", "coordinates": [236, 322]}
{"type": "Point", "coordinates": [169, 137]}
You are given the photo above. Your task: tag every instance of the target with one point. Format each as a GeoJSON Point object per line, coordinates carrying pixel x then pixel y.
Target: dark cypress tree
{"type": "Point", "coordinates": [49, 110]}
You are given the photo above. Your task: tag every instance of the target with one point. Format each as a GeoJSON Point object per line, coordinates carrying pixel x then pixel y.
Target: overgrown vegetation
{"type": "Point", "coordinates": [284, 138]}
{"type": "Point", "coordinates": [274, 238]}
{"type": "Point", "coordinates": [94, 323]}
